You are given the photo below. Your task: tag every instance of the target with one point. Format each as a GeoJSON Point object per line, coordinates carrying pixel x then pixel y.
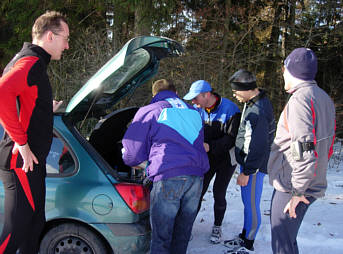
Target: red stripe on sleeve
{"type": "Point", "coordinates": [333, 141]}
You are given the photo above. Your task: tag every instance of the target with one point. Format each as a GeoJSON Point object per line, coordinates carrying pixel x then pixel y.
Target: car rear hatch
{"type": "Point", "coordinates": [135, 64]}
{"type": "Point", "coordinates": [132, 66]}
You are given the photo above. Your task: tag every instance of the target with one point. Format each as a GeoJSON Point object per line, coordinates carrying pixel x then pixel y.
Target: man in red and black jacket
{"type": "Point", "coordinates": [26, 113]}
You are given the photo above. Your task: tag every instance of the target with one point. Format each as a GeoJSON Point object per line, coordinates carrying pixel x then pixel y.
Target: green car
{"type": "Point", "coordinates": [94, 202]}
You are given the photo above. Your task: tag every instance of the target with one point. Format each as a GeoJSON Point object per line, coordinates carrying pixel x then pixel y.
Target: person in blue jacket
{"type": "Point", "coordinates": [168, 134]}
{"type": "Point", "coordinates": [221, 117]}
{"type": "Point", "coordinates": [252, 149]}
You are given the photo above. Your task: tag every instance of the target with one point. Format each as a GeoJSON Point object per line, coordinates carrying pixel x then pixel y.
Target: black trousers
{"type": "Point", "coordinates": [24, 208]}
{"type": "Point", "coordinates": [284, 228]}
{"type": "Point", "coordinates": [222, 180]}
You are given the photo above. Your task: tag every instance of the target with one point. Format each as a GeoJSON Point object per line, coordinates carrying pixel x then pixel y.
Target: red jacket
{"type": "Point", "coordinates": [26, 105]}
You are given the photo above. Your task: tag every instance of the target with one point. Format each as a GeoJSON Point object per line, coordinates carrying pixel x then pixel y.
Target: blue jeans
{"type": "Point", "coordinates": [173, 208]}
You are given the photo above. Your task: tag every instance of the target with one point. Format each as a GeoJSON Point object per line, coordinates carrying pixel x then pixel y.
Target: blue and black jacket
{"type": "Point", "coordinates": [220, 130]}
{"type": "Point", "coordinates": [255, 135]}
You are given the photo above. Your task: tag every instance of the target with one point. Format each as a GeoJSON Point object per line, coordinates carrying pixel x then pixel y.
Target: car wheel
{"type": "Point", "coordinates": [70, 238]}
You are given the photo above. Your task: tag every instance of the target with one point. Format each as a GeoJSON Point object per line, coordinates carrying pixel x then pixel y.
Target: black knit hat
{"type": "Point", "coordinates": [243, 80]}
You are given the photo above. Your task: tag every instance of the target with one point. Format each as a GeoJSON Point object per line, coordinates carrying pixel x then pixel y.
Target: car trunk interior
{"type": "Point", "coordinates": [106, 139]}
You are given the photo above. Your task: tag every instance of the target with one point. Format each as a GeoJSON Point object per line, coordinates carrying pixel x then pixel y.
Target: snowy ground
{"type": "Point", "coordinates": [321, 230]}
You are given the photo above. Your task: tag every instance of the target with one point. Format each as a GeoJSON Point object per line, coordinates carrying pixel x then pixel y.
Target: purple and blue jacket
{"type": "Point", "coordinates": [168, 133]}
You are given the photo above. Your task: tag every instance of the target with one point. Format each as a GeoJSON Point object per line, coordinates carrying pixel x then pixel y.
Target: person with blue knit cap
{"type": "Point", "coordinates": [221, 117]}
{"type": "Point", "coordinates": [301, 150]}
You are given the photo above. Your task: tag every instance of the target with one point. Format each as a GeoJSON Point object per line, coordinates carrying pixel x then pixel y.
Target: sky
{"type": "Point", "coordinates": [321, 230]}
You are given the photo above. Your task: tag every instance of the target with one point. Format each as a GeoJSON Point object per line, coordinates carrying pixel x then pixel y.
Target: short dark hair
{"type": "Point", "coordinates": [162, 85]}
{"type": "Point", "coordinates": [50, 20]}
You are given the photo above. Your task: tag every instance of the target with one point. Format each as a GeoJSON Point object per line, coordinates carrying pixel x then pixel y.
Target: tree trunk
{"type": "Point", "coordinates": [225, 45]}
{"type": "Point", "coordinates": [272, 63]}
{"type": "Point", "coordinates": [142, 21]}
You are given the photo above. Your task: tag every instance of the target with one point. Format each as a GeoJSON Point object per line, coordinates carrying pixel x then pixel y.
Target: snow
{"type": "Point", "coordinates": [321, 230]}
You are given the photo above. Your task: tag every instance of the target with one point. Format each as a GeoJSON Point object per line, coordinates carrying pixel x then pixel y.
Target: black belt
{"type": "Point", "coordinates": [308, 146]}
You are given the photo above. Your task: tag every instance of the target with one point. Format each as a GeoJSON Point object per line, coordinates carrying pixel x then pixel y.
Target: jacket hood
{"type": "Point", "coordinates": [163, 95]}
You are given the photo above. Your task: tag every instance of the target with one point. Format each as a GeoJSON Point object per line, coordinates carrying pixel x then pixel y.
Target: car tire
{"type": "Point", "coordinates": [71, 238]}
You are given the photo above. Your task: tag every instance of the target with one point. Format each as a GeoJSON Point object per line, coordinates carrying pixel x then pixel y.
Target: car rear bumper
{"type": "Point", "coordinates": [130, 238]}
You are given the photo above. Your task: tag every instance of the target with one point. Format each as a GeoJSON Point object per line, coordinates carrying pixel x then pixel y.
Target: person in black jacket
{"type": "Point", "coordinates": [252, 149]}
{"type": "Point", "coordinates": [26, 113]}
{"type": "Point", "coordinates": [221, 117]}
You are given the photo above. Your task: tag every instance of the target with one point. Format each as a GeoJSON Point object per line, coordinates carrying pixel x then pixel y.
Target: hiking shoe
{"type": "Point", "coordinates": [234, 244]}
{"type": "Point", "coordinates": [239, 250]}
{"type": "Point", "coordinates": [216, 235]}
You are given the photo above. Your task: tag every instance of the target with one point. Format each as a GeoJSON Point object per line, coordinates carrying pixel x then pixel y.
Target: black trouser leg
{"type": "Point", "coordinates": [24, 215]}
{"type": "Point", "coordinates": [207, 179]}
{"type": "Point", "coordinates": [221, 182]}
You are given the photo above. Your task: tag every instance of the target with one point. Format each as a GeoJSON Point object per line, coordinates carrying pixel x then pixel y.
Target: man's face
{"type": "Point", "coordinates": [200, 100]}
{"type": "Point", "coordinates": [60, 42]}
{"type": "Point", "coordinates": [241, 96]}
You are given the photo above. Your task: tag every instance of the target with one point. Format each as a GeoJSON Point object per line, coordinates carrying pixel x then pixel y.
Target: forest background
{"type": "Point", "coordinates": [219, 37]}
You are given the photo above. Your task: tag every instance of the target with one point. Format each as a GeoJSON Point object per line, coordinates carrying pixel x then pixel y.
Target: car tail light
{"type": "Point", "coordinates": [135, 196]}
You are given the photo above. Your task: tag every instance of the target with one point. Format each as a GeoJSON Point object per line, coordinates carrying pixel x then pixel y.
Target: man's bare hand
{"type": "Point", "coordinates": [56, 105]}
{"type": "Point", "coordinates": [292, 205]}
{"type": "Point", "coordinates": [207, 147]}
{"type": "Point", "coordinates": [28, 157]}
{"type": "Point", "coordinates": [242, 180]}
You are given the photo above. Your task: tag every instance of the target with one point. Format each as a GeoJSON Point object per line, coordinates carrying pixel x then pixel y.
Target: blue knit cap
{"type": "Point", "coordinates": [302, 64]}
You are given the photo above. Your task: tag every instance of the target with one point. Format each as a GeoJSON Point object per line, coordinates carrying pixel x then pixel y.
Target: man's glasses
{"type": "Point", "coordinates": [66, 38]}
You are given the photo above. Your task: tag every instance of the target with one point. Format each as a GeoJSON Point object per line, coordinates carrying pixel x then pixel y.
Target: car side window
{"type": "Point", "coordinates": [60, 160]}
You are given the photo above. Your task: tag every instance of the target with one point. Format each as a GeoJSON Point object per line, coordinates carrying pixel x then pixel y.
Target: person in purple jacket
{"type": "Point", "coordinates": [168, 134]}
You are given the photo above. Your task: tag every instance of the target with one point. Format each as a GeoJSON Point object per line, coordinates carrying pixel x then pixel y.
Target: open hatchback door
{"type": "Point", "coordinates": [132, 66]}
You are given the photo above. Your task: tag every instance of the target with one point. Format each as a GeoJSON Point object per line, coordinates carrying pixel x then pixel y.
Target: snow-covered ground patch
{"type": "Point", "coordinates": [321, 230]}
